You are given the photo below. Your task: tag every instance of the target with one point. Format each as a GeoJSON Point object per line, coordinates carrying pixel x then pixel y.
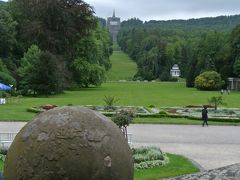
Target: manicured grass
{"type": "Point", "coordinates": [129, 93]}
{"type": "Point", "coordinates": [178, 165]}
{"type": "Point", "coordinates": [185, 121]}
{"type": "Point", "coordinates": [1, 165]}
{"type": "Point", "coordinates": [123, 68]}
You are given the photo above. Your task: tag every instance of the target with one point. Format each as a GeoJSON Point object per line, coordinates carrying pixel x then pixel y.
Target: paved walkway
{"type": "Point", "coordinates": [11, 126]}
{"type": "Point", "coordinates": [210, 147]}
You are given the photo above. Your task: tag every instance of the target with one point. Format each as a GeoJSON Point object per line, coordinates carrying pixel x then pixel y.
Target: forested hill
{"type": "Point", "coordinates": [221, 23]}
{"type": "Point", "coordinates": [196, 45]}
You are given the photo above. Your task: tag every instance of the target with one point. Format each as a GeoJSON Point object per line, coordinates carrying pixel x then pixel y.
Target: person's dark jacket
{"type": "Point", "coordinates": [204, 114]}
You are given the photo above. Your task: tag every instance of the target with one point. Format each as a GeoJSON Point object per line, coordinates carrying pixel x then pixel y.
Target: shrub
{"type": "Point", "coordinates": [110, 101]}
{"type": "Point", "coordinates": [173, 79]}
{"type": "Point", "coordinates": [148, 157]}
{"type": "Point", "coordinates": [216, 100]}
{"type": "Point", "coordinates": [4, 94]}
{"type": "Point", "coordinates": [209, 80]}
{"type": "Point", "coordinates": [122, 119]}
{"type": "Point", "coordinates": [165, 76]}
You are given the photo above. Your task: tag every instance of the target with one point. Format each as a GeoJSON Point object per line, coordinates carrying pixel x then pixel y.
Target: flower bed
{"type": "Point", "coordinates": [113, 109]}
{"type": "Point", "coordinates": [148, 157]}
{"type": "Point", "coordinates": [197, 112]}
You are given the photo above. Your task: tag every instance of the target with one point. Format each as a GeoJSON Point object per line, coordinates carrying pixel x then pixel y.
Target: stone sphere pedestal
{"type": "Point", "coordinates": [69, 143]}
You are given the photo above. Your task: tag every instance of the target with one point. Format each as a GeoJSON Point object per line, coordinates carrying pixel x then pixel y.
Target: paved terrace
{"type": "Point", "coordinates": [209, 147]}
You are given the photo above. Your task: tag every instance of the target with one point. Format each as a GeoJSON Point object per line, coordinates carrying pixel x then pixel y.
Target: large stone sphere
{"type": "Point", "coordinates": [69, 143]}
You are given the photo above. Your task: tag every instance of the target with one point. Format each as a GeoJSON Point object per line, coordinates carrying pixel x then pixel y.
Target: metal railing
{"type": "Point", "coordinates": [6, 138]}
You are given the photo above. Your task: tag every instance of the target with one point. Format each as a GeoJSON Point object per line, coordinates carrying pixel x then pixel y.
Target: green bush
{"type": "Point", "coordinates": [148, 164]}
{"type": "Point", "coordinates": [4, 94]}
{"type": "Point", "coordinates": [148, 157]}
{"type": "Point", "coordinates": [110, 101]}
{"type": "Point", "coordinates": [122, 119]}
{"type": "Point", "coordinates": [173, 79]}
{"type": "Point", "coordinates": [209, 80]}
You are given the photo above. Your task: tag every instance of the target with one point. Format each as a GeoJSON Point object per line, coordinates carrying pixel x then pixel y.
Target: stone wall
{"type": "Point", "coordinates": [231, 172]}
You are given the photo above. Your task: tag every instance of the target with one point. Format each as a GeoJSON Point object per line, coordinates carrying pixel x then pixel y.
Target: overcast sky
{"type": "Point", "coordinates": [164, 9]}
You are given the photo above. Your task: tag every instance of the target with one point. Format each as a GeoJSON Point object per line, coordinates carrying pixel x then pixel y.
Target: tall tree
{"type": "Point", "coordinates": [25, 69]}
{"type": "Point", "coordinates": [66, 29]}
{"type": "Point", "coordinates": [5, 76]}
{"type": "Point", "coordinates": [236, 67]}
{"type": "Point", "coordinates": [92, 58]}
{"type": "Point", "coordinates": [7, 33]}
{"type": "Point", "coordinates": [45, 77]}
{"type": "Point", "coordinates": [235, 44]}
{"type": "Point", "coordinates": [53, 25]}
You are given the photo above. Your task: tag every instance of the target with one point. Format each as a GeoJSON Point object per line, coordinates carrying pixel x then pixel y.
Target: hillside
{"type": "Point", "coordinates": [221, 23]}
{"type": "Point", "coordinates": [123, 68]}
{"type": "Point", "coordinates": [196, 45]}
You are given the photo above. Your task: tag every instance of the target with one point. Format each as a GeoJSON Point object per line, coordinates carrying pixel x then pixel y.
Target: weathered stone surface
{"type": "Point", "coordinates": [69, 143]}
{"type": "Point", "coordinates": [225, 173]}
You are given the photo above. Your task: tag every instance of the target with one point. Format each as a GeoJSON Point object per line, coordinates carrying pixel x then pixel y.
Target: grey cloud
{"type": "Point", "coordinates": [165, 9]}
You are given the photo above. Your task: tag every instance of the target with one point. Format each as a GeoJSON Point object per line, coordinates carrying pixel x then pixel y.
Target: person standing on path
{"type": "Point", "coordinates": [205, 116]}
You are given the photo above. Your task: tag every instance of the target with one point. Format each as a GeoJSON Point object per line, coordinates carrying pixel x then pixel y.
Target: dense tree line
{"type": "Point", "coordinates": [223, 23]}
{"type": "Point", "coordinates": [195, 45]}
{"type": "Point", "coordinates": [49, 45]}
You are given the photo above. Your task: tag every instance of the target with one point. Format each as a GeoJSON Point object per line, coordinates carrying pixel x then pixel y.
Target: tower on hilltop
{"type": "Point", "coordinates": [113, 25]}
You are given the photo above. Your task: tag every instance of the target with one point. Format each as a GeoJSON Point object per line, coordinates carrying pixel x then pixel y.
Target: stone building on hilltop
{"type": "Point", "coordinates": [113, 25]}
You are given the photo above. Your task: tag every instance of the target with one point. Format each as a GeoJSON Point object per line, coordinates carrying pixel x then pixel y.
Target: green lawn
{"type": "Point", "coordinates": [129, 93]}
{"type": "Point", "coordinates": [123, 68]}
{"type": "Point", "coordinates": [178, 165]}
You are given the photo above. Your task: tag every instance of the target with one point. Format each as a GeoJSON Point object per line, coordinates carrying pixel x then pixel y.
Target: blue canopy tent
{"type": "Point", "coordinates": [4, 87]}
